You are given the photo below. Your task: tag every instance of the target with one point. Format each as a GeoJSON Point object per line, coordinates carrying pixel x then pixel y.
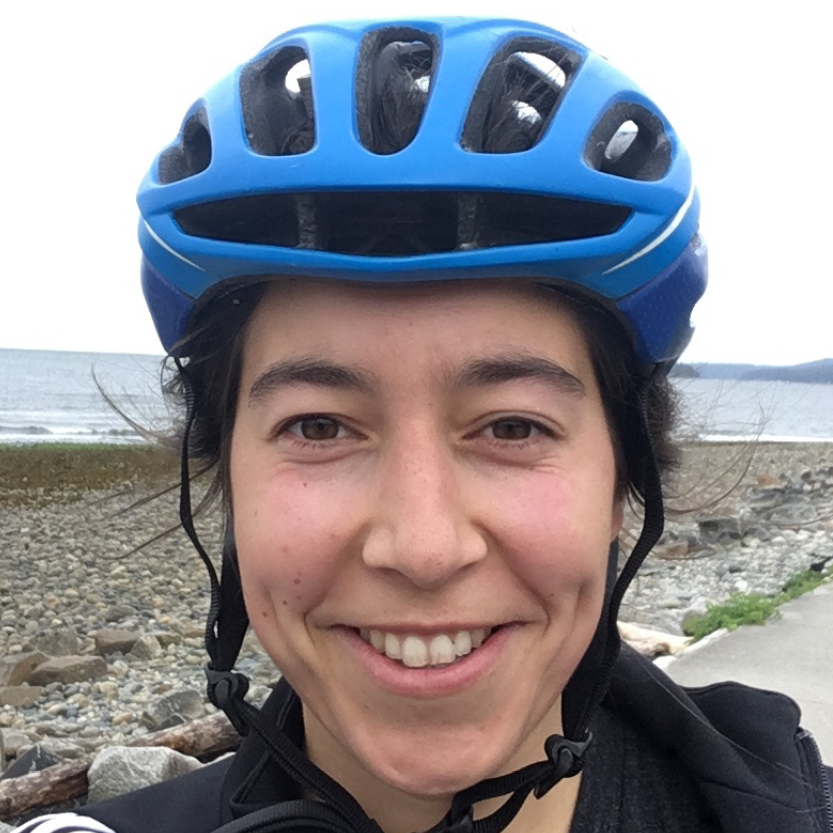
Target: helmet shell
{"type": "Point", "coordinates": [650, 269]}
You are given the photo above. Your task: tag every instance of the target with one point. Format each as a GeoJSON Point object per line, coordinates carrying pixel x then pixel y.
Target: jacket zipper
{"type": "Point", "coordinates": [811, 748]}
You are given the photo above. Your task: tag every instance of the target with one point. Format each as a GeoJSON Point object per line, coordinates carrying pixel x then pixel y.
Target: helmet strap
{"type": "Point", "coordinates": [226, 625]}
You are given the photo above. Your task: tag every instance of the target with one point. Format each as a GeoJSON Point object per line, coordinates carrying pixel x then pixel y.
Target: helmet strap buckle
{"type": "Point", "coordinates": [567, 758]}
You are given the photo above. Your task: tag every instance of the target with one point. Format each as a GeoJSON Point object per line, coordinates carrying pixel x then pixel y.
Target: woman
{"type": "Point", "coordinates": [422, 301]}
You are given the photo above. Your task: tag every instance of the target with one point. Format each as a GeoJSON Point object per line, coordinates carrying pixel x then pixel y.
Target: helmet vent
{"type": "Point", "coordinates": [393, 82]}
{"type": "Point", "coordinates": [276, 98]}
{"type": "Point", "coordinates": [191, 154]}
{"type": "Point", "coordinates": [399, 223]}
{"type": "Point", "coordinates": [518, 96]}
{"type": "Point", "coordinates": [631, 142]}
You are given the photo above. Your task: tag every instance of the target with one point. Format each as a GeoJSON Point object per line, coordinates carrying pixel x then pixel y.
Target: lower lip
{"type": "Point", "coordinates": [429, 682]}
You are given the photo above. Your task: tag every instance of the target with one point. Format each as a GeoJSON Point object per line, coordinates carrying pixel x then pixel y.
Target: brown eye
{"type": "Point", "coordinates": [512, 429]}
{"type": "Point", "coordinates": [316, 428]}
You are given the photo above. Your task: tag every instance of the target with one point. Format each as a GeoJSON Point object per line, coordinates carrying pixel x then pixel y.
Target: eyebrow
{"type": "Point", "coordinates": [308, 371]}
{"type": "Point", "coordinates": [499, 369]}
{"type": "Point", "coordinates": [481, 372]}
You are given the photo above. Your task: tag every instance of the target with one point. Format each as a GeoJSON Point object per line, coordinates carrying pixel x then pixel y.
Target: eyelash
{"type": "Point", "coordinates": [537, 429]}
{"type": "Point", "coordinates": [286, 429]}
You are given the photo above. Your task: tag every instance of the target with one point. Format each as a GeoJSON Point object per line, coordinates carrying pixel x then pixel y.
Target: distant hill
{"type": "Point", "coordinates": [818, 373]}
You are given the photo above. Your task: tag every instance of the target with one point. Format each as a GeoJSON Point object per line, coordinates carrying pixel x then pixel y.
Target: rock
{"type": "Point", "coordinates": [112, 641]}
{"type": "Point", "coordinates": [18, 668]}
{"type": "Point", "coordinates": [34, 759]}
{"type": "Point", "coordinates": [122, 769]}
{"type": "Point", "coordinates": [678, 549]}
{"type": "Point", "coordinates": [14, 741]}
{"type": "Point", "coordinates": [20, 696]}
{"type": "Point", "coordinates": [794, 513]}
{"type": "Point", "coordinates": [146, 647]}
{"type": "Point", "coordinates": [58, 643]}
{"type": "Point", "coordinates": [768, 480]}
{"type": "Point", "coordinates": [716, 530]}
{"type": "Point", "coordinates": [64, 750]}
{"type": "Point", "coordinates": [166, 638]}
{"type": "Point", "coordinates": [119, 612]}
{"type": "Point", "coordinates": [174, 709]}
{"type": "Point", "coordinates": [68, 670]}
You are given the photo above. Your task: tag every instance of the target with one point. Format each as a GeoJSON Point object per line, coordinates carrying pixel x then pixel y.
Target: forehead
{"type": "Point", "coordinates": [448, 316]}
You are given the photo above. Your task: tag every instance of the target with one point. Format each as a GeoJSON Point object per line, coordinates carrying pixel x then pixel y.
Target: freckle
{"type": "Point", "coordinates": [264, 614]}
{"type": "Point", "coordinates": [284, 602]}
{"type": "Point", "coordinates": [305, 484]}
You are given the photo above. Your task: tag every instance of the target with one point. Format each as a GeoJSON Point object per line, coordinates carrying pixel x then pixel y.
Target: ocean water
{"type": "Point", "coordinates": [51, 396]}
{"type": "Point", "coordinates": [48, 396]}
{"type": "Point", "coordinates": [726, 409]}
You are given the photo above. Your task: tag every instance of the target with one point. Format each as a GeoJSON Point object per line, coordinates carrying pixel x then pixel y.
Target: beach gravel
{"type": "Point", "coordinates": [78, 594]}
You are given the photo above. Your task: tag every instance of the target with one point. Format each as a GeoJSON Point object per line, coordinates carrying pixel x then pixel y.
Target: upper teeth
{"type": "Point", "coordinates": [417, 652]}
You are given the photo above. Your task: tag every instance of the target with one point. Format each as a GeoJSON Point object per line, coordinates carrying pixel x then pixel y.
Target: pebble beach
{"type": "Point", "coordinates": [101, 642]}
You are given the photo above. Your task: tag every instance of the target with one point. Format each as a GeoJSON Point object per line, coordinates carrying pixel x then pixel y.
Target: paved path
{"type": "Point", "coordinates": [793, 654]}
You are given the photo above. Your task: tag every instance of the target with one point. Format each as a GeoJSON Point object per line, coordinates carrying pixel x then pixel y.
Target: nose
{"type": "Point", "coordinates": [423, 526]}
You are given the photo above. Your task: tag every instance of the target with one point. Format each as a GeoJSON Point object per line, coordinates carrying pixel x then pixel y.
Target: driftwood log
{"type": "Point", "coordinates": [652, 643]}
{"type": "Point", "coordinates": [207, 736]}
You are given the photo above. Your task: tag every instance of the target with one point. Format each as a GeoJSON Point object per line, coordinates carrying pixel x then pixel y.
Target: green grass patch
{"type": "Point", "coordinates": [752, 608]}
{"type": "Point", "coordinates": [33, 472]}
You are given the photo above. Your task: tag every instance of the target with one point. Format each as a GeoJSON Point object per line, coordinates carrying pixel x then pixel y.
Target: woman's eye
{"type": "Point", "coordinates": [513, 429]}
{"type": "Point", "coordinates": [316, 428]}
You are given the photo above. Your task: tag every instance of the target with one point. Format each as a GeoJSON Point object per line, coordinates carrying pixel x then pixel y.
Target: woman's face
{"type": "Point", "coordinates": [416, 472]}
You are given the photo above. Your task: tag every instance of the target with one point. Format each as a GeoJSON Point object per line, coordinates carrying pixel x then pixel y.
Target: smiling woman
{"type": "Point", "coordinates": [422, 282]}
{"type": "Point", "coordinates": [363, 497]}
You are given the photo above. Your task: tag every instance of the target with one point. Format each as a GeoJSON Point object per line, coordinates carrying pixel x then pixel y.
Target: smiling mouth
{"type": "Point", "coordinates": [438, 651]}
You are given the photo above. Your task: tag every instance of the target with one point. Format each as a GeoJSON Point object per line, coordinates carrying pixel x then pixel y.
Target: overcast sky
{"type": "Point", "coordinates": [93, 90]}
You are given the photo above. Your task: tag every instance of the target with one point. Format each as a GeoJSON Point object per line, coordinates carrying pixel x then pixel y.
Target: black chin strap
{"type": "Point", "coordinates": [226, 626]}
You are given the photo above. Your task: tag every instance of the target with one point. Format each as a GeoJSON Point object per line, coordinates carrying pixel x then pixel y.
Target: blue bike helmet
{"type": "Point", "coordinates": [592, 191]}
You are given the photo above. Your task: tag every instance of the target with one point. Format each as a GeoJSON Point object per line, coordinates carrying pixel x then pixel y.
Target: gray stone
{"type": "Point", "coordinates": [146, 647]}
{"type": "Point", "coordinates": [34, 759]}
{"type": "Point", "coordinates": [122, 769]}
{"type": "Point", "coordinates": [174, 709]}
{"type": "Point", "coordinates": [166, 638]}
{"type": "Point", "coordinates": [17, 668]}
{"type": "Point", "coordinates": [14, 741]}
{"type": "Point", "coordinates": [20, 696]}
{"type": "Point", "coordinates": [68, 670]}
{"type": "Point", "coordinates": [113, 641]}
{"type": "Point", "coordinates": [58, 643]}
{"type": "Point", "coordinates": [119, 613]}
{"type": "Point", "coordinates": [716, 530]}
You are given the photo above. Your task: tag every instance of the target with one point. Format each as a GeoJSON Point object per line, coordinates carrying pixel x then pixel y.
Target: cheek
{"type": "Point", "coordinates": [288, 545]}
{"type": "Point", "coordinates": [558, 531]}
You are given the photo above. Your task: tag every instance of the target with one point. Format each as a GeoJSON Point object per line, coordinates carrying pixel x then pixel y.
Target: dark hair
{"type": "Point", "coordinates": [213, 371]}
{"type": "Point", "coordinates": [396, 101]}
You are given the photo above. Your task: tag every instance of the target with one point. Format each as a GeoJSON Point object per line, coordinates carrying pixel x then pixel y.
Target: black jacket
{"type": "Point", "coordinates": [752, 767]}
